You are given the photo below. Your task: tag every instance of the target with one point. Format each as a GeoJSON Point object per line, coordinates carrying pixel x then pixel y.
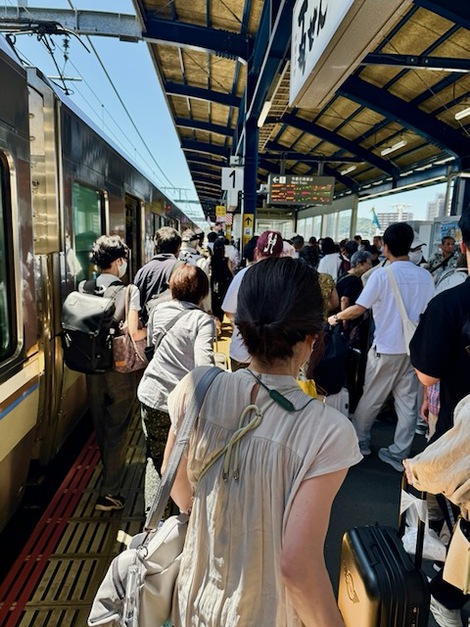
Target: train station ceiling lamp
{"type": "Point", "coordinates": [348, 170]}
{"type": "Point", "coordinates": [264, 113]}
{"type": "Point", "coordinates": [460, 115]}
{"type": "Point", "coordinates": [394, 147]}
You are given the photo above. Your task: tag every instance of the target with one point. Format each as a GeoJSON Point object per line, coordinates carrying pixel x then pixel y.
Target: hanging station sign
{"type": "Point", "coordinates": [290, 189]}
{"type": "Point", "coordinates": [330, 38]}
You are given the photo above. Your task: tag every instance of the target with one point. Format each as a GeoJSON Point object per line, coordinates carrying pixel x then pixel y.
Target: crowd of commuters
{"type": "Point", "coordinates": [279, 297]}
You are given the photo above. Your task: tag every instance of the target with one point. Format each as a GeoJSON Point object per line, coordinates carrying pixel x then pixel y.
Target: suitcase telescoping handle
{"type": "Point", "coordinates": [405, 487]}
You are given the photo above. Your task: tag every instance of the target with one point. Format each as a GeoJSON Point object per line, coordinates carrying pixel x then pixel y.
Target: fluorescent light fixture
{"type": "Point", "coordinates": [442, 161]}
{"type": "Point", "coordinates": [396, 146]}
{"type": "Point", "coordinates": [264, 113]}
{"type": "Point", "coordinates": [348, 170]}
{"type": "Point", "coordinates": [460, 115]}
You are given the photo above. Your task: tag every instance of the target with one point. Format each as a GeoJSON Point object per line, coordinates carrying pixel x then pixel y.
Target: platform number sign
{"type": "Point", "coordinates": [232, 179]}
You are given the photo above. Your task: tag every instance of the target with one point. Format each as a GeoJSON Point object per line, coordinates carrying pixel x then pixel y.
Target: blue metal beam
{"type": "Point", "coordinates": [410, 181]}
{"type": "Point", "coordinates": [197, 158]}
{"type": "Point", "coordinates": [223, 43]}
{"type": "Point", "coordinates": [205, 148]}
{"type": "Point", "coordinates": [419, 99]}
{"type": "Point", "coordinates": [346, 144]}
{"type": "Point", "coordinates": [199, 125]}
{"type": "Point", "coordinates": [270, 51]}
{"type": "Point", "coordinates": [423, 62]}
{"type": "Point", "coordinates": [203, 169]}
{"type": "Point", "coordinates": [269, 54]}
{"type": "Point", "coordinates": [199, 93]}
{"type": "Point", "coordinates": [406, 114]}
{"type": "Point", "coordinates": [202, 181]}
{"type": "Point", "coordinates": [457, 11]}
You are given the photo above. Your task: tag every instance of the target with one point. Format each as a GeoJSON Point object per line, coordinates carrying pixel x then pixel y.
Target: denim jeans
{"type": "Point", "coordinates": [111, 398]}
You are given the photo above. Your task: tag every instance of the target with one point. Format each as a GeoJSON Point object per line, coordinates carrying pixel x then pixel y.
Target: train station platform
{"type": "Point", "coordinates": [58, 570]}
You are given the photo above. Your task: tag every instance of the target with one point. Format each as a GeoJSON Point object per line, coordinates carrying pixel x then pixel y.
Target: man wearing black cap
{"type": "Point", "coordinates": [269, 244]}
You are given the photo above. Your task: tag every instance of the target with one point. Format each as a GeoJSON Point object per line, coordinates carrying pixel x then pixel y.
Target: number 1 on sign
{"type": "Point", "coordinates": [232, 179]}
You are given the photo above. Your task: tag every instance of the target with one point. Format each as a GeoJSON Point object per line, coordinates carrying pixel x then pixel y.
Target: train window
{"type": "Point", "coordinates": [87, 225]}
{"type": "Point", "coordinates": [6, 319]}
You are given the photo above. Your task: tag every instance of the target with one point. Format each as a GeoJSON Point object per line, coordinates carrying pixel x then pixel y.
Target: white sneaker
{"type": "Point", "coordinates": [443, 616]}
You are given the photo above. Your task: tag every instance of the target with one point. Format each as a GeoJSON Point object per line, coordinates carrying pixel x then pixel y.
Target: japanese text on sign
{"type": "Point", "coordinates": [314, 22]}
{"type": "Point", "coordinates": [301, 190]}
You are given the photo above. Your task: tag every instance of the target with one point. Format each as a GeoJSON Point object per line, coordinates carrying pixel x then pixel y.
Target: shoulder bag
{"type": "Point", "coordinates": [128, 354]}
{"type": "Point", "coordinates": [137, 590]}
{"type": "Point", "coordinates": [409, 327]}
{"type": "Point", "coordinates": [457, 563]}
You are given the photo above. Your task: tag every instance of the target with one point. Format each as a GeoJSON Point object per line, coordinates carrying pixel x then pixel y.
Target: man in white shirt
{"type": "Point", "coordinates": [388, 365]}
{"type": "Point", "coordinates": [269, 244]}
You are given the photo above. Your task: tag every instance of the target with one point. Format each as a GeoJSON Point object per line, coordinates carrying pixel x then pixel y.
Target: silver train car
{"type": "Point", "coordinates": [62, 184]}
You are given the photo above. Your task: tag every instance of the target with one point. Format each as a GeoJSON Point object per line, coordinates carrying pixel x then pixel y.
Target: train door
{"type": "Point", "coordinates": [46, 238]}
{"type": "Point", "coordinates": [134, 233]}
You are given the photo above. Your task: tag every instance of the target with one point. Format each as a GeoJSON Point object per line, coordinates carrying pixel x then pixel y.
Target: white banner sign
{"type": "Point", "coordinates": [314, 23]}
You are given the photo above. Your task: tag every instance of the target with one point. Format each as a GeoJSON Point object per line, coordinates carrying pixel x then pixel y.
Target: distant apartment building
{"type": "Point", "coordinates": [389, 217]}
{"type": "Point", "coordinates": [436, 207]}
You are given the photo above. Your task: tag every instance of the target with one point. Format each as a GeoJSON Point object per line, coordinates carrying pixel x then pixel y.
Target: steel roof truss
{"type": "Point", "coordinates": [212, 40]}
{"type": "Point", "coordinates": [406, 114]}
{"type": "Point", "coordinates": [445, 64]}
{"type": "Point", "coordinates": [199, 93]}
{"type": "Point", "coordinates": [457, 11]}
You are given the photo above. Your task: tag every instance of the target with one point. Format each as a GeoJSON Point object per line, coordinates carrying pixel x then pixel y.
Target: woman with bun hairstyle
{"type": "Point", "coordinates": [259, 514]}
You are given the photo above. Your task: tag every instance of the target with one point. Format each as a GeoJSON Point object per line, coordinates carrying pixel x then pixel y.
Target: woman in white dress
{"type": "Point", "coordinates": [259, 515]}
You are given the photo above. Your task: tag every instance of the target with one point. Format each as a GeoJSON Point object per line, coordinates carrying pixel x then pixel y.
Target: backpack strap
{"type": "Point", "coordinates": [396, 294]}
{"type": "Point", "coordinates": [114, 291]}
{"type": "Point", "coordinates": [182, 440]}
{"type": "Point", "coordinates": [168, 326]}
{"type": "Point", "coordinates": [89, 287]}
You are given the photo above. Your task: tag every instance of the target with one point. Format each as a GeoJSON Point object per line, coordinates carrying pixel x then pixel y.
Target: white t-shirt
{"type": "Point", "coordinates": [238, 350]}
{"type": "Point", "coordinates": [416, 288]}
{"type": "Point", "coordinates": [329, 264]}
{"type": "Point", "coordinates": [105, 280]}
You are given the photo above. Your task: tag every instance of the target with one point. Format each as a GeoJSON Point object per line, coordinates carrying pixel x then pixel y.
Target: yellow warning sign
{"type": "Point", "coordinates": [220, 211]}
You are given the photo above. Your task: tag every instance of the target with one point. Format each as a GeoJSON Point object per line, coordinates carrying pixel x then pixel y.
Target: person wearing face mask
{"type": "Point", "coordinates": [415, 254]}
{"type": "Point", "coordinates": [111, 394]}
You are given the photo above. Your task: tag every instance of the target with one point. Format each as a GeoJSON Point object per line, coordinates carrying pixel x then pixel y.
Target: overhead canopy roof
{"type": "Point", "coordinates": [407, 90]}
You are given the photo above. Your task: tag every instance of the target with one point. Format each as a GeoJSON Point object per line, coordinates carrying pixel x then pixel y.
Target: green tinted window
{"type": "Point", "coordinates": [87, 204]}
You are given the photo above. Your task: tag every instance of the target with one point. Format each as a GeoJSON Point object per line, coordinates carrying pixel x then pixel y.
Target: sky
{"type": "Point", "coordinates": [414, 201]}
{"type": "Point", "coordinates": [132, 72]}
{"type": "Point", "coordinates": [150, 139]}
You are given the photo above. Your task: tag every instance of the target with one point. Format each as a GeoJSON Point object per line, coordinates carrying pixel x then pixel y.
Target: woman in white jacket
{"type": "Point", "coordinates": [183, 335]}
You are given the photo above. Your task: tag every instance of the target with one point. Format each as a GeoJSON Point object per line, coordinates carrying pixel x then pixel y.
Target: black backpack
{"type": "Point", "coordinates": [162, 295]}
{"type": "Point", "coordinates": [330, 372]}
{"type": "Point", "coordinates": [89, 322]}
